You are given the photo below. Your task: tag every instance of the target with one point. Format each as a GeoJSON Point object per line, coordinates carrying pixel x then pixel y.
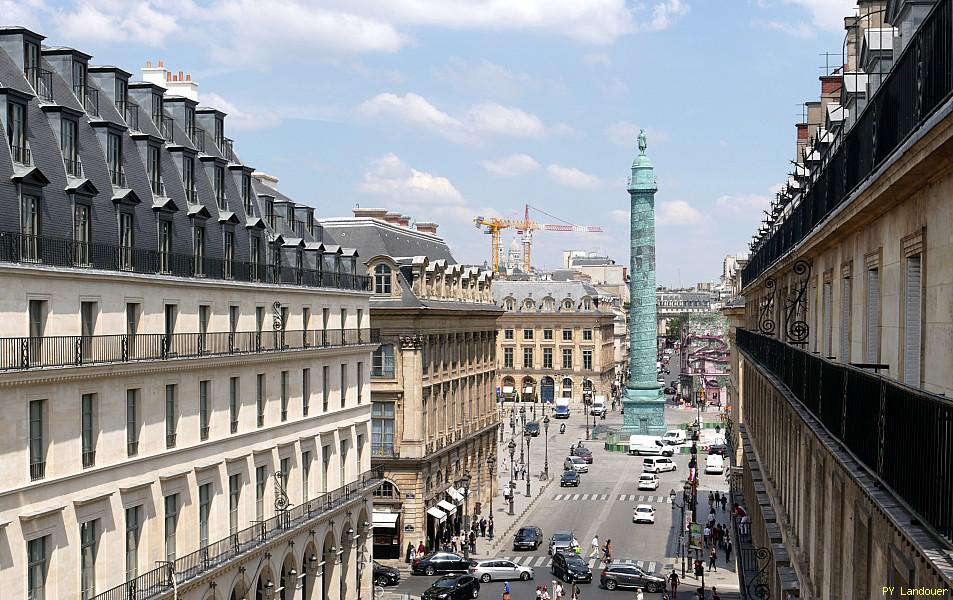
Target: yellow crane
{"type": "Point", "coordinates": [525, 227]}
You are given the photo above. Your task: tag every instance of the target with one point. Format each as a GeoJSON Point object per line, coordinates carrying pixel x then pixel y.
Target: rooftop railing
{"type": "Point", "coordinates": [42, 82]}
{"type": "Point", "coordinates": [163, 579]}
{"type": "Point", "coordinates": [59, 252]}
{"type": "Point", "coordinates": [198, 140]}
{"type": "Point", "coordinates": [920, 81]}
{"type": "Point", "coordinates": [875, 418]}
{"type": "Point", "coordinates": [167, 128]}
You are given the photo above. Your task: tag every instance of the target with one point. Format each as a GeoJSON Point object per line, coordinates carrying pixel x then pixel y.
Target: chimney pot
{"type": "Point", "coordinates": [188, 77]}
{"type": "Point", "coordinates": [180, 76]}
{"type": "Point", "coordinates": [161, 64]}
{"type": "Point", "coordinates": [168, 76]}
{"type": "Point", "coordinates": [148, 64]}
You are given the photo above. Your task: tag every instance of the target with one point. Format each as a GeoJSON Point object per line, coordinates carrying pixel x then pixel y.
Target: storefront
{"type": "Point", "coordinates": [386, 535]}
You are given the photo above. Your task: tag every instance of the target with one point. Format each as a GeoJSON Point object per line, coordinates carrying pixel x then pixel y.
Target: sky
{"type": "Point", "coordinates": [449, 109]}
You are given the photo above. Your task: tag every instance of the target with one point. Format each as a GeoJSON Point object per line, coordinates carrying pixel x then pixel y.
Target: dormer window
{"type": "Point", "coordinates": [154, 166]}
{"type": "Point", "coordinates": [188, 178]}
{"type": "Point", "coordinates": [219, 132]}
{"type": "Point", "coordinates": [509, 304]}
{"type": "Point", "coordinates": [79, 81]}
{"type": "Point", "coordinates": [199, 251]}
{"type": "Point", "coordinates": [567, 304]}
{"type": "Point", "coordinates": [157, 110]}
{"type": "Point", "coordinates": [310, 217]}
{"type": "Point", "coordinates": [587, 304]}
{"type": "Point", "coordinates": [218, 181]}
{"type": "Point", "coordinates": [16, 132]}
{"type": "Point", "coordinates": [270, 212]}
{"type": "Point", "coordinates": [31, 63]}
{"type": "Point", "coordinates": [69, 148]}
{"type": "Point", "coordinates": [246, 192]}
{"type": "Point", "coordinates": [382, 280]}
{"type": "Point", "coordinates": [122, 95]}
{"type": "Point", "coordinates": [527, 304]}
{"type": "Point", "coordinates": [190, 122]}
{"type": "Point", "coordinates": [114, 159]}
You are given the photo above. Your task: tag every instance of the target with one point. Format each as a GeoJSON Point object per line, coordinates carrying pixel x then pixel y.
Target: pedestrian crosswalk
{"type": "Point", "coordinates": [542, 562]}
{"type": "Point", "coordinates": [619, 498]}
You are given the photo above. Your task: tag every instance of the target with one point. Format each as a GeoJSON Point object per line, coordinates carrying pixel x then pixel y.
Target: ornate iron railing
{"type": "Point", "coordinates": [920, 81]}
{"type": "Point", "coordinates": [160, 581]}
{"type": "Point", "coordinates": [875, 418]}
{"type": "Point", "coordinates": [42, 82]}
{"type": "Point", "coordinates": [59, 252]}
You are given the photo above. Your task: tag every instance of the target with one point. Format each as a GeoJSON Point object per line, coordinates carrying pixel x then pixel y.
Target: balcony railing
{"type": "Point", "coordinates": [228, 151]}
{"type": "Point", "coordinates": [74, 166]}
{"type": "Point", "coordinates": [37, 470]}
{"type": "Point", "coordinates": [198, 140]}
{"type": "Point", "coordinates": [118, 177]}
{"type": "Point", "coordinates": [162, 580]}
{"type": "Point", "coordinates": [920, 82]}
{"type": "Point", "coordinates": [42, 82]}
{"type": "Point", "coordinates": [77, 350]}
{"type": "Point", "coordinates": [167, 128]}
{"type": "Point", "coordinates": [130, 113]}
{"type": "Point", "coordinates": [21, 155]}
{"type": "Point", "coordinates": [875, 418]}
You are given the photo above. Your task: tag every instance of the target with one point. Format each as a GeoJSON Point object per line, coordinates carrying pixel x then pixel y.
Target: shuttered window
{"type": "Point", "coordinates": [845, 320]}
{"type": "Point", "coordinates": [872, 324]}
{"type": "Point", "coordinates": [912, 316]}
{"type": "Point", "coordinates": [826, 299]}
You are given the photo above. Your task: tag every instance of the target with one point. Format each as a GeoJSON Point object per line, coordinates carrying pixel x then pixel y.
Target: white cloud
{"type": "Point", "coordinates": [799, 30]}
{"type": "Point", "coordinates": [743, 203]}
{"type": "Point", "coordinates": [389, 176]}
{"type": "Point", "coordinates": [494, 118]}
{"type": "Point", "coordinates": [827, 14]}
{"type": "Point", "coordinates": [665, 12]}
{"type": "Point", "coordinates": [596, 58]}
{"type": "Point", "coordinates": [677, 212]}
{"type": "Point", "coordinates": [625, 133]}
{"type": "Point", "coordinates": [573, 177]}
{"type": "Point", "coordinates": [511, 166]}
{"type": "Point", "coordinates": [237, 118]}
{"type": "Point", "coordinates": [113, 21]}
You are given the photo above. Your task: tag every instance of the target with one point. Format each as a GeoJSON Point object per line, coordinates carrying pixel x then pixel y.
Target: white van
{"type": "Point", "coordinates": [715, 464]}
{"type": "Point", "coordinates": [598, 407]}
{"type": "Point", "coordinates": [649, 444]}
{"type": "Point", "coordinates": [674, 437]}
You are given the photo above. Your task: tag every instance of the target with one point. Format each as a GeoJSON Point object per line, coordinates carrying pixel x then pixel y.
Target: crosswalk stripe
{"type": "Point", "coordinates": [541, 560]}
{"type": "Point", "coordinates": [592, 563]}
{"type": "Point", "coordinates": [575, 496]}
{"type": "Point", "coordinates": [650, 568]}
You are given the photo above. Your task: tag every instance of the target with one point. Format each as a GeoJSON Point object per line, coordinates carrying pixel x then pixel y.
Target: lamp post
{"type": "Point", "coordinates": [522, 428]}
{"type": "Point", "coordinates": [528, 439]}
{"type": "Point", "coordinates": [501, 420]}
{"type": "Point", "coordinates": [465, 482]}
{"type": "Point", "coordinates": [491, 468]}
{"type": "Point", "coordinates": [546, 441]}
{"type": "Point", "coordinates": [693, 464]}
{"type": "Point", "coordinates": [681, 524]}
{"type": "Point", "coordinates": [586, 401]}
{"type": "Point", "coordinates": [512, 449]}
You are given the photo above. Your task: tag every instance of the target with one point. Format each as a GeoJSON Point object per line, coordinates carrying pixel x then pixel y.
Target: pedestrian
{"type": "Point", "coordinates": [714, 593]}
{"type": "Point", "coordinates": [608, 552]}
{"type": "Point", "coordinates": [711, 513]}
{"type": "Point", "coordinates": [673, 582]}
{"type": "Point", "coordinates": [539, 593]}
{"type": "Point", "coordinates": [716, 536]}
{"type": "Point", "coordinates": [638, 594]}
{"type": "Point", "coordinates": [453, 543]}
{"type": "Point", "coordinates": [717, 497]}
{"type": "Point", "coordinates": [421, 549]}
{"type": "Point", "coordinates": [711, 499]}
{"type": "Point", "coordinates": [707, 533]}
{"type": "Point", "coordinates": [483, 527]}
{"type": "Point", "coordinates": [575, 591]}
{"type": "Point", "coordinates": [728, 550]}
{"type": "Point", "coordinates": [711, 560]}
{"type": "Point", "coordinates": [506, 590]}
{"type": "Point", "coordinates": [489, 527]}
{"type": "Point", "coordinates": [595, 547]}
{"type": "Point", "coordinates": [410, 552]}
{"type": "Point", "coordinates": [558, 590]}
{"type": "Point", "coordinates": [472, 543]}
{"type": "Point", "coordinates": [545, 595]}
{"type": "Point", "coordinates": [724, 502]}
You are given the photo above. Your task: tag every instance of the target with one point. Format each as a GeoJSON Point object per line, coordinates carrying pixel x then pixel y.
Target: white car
{"type": "Point", "coordinates": [643, 513]}
{"type": "Point", "coordinates": [499, 570]}
{"type": "Point", "coordinates": [575, 463]}
{"type": "Point", "coordinates": [658, 465]}
{"type": "Point", "coordinates": [648, 481]}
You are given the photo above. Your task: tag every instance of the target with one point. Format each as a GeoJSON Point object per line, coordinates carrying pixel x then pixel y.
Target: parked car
{"type": "Point", "coordinates": [575, 463]}
{"type": "Point", "coordinates": [583, 453]}
{"type": "Point", "coordinates": [531, 429]}
{"type": "Point", "coordinates": [648, 481]}
{"type": "Point", "coordinates": [569, 479]}
{"type": "Point", "coordinates": [563, 540]}
{"type": "Point", "coordinates": [529, 537]}
{"type": "Point", "coordinates": [715, 464]}
{"type": "Point", "coordinates": [719, 449]}
{"type": "Point", "coordinates": [569, 567]}
{"type": "Point", "coordinates": [630, 576]}
{"type": "Point", "coordinates": [658, 465]}
{"type": "Point", "coordinates": [440, 562]}
{"type": "Point", "coordinates": [643, 513]}
{"type": "Point", "coordinates": [384, 576]}
{"type": "Point", "coordinates": [499, 570]}
{"type": "Point", "coordinates": [453, 587]}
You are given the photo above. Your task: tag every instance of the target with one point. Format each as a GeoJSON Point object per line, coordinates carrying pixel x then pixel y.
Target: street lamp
{"type": "Point", "coordinates": [491, 468]}
{"type": "Point", "coordinates": [546, 441]}
{"type": "Point", "coordinates": [523, 428]}
{"type": "Point", "coordinates": [512, 448]}
{"type": "Point", "coordinates": [681, 524]}
{"type": "Point", "coordinates": [465, 483]}
{"type": "Point", "coordinates": [528, 440]}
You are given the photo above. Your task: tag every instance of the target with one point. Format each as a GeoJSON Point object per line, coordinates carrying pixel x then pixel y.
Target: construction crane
{"type": "Point", "coordinates": [524, 227]}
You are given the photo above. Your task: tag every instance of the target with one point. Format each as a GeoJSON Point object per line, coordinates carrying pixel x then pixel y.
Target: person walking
{"type": "Point", "coordinates": [638, 594]}
{"type": "Point", "coordinates": [545, 595]}
{"type": "Point", "coordinates": [724, 502]}
{"type": "Point", "coordinates": [711, 499]}
{"type": "Point", "coordinates": [410, 552]}
{"type": "Point", "coordinates": [714, 593]}
{"type": "Point", "coordinates": [558, 590]}
{"type": "Point", "coordinates": [712, 556]}
{"type": "Point", "coordinates": [506, 590]}
{"type": "Point", "coordinates": [673, 583]}
{"type": "Point", "coordinates": [489, 527]}
{"type": "Point", "coordinates": [707, 533]}
{"type": "Point", "coordinates": [575, 591]}
{"type": "Point", "coordinates": [595, 547]}
{"type": "Point", "coordinates": [483, 527]}
{"type": "Point", "coordinates": [539, 593]}
{"type": "Point", "coordinates": [717, 497]}
{"type": "Point", "coordinates": [421, 549]}
{"type": "Point", "coordinates": [608, 552]}
{"type": "Point", "coordinates": [728, 551]}
{"type": "Point", "coordinates": [472, 543]}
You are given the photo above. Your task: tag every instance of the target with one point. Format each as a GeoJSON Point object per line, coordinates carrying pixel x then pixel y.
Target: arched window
{"type": "Point", "coordinates": [382, 274]}
{"type": "Point", "coordinates": [527, 304]}
{"type": "Point", "coordinates": [587, 304]}
{"type": "Point", "coordinates": [567, 304]}
{"type": "Point", "coordinates": [509, 304]}
{"type": "Point", "coordinates": [382, 364]}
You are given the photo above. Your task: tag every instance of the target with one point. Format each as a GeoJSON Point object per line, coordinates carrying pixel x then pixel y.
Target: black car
{"type": "Point", "coordinates": [528, 537]}
{"type": "Point", "coordinates": [569, 478]}
{"type": "Point", "coordinates": [453, 587]}
{"type": "Point", "coordinates": [531, 429]}
{"type": "Point", "coordinates": [569, 567]}
{"type": "Point", "coordinates": [440, 562]}
{"type": "Point", "coordinates": [719, 449]}
{"type": "Point", "coordinates": [583, 453]}
{"type": "Point", "coordinates": [384, 576]}
{"type": "Point", "coordinates": [619, 576]}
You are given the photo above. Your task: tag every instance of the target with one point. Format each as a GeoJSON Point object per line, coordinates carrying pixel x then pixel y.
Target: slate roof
{"type": "Point", "coordinates": [537, 290]}
{"type": "Point", "coordinates": [374, 237]}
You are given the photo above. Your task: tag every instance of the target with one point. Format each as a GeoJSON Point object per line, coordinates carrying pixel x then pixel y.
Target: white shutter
{"type": "Point", "coordinates": [845, 320]}
{"type": "Point", "coordinates": [872, 329]}
{"type": "Point", "coordinates": [826, 306]}
{"type": "Point", "coordinates": [912, 315]}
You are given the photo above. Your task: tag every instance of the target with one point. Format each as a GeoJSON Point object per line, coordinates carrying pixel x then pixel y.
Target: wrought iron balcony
{"type": "Point", "coordinates": [42, 82]}
{"type": "Point", "coordinates": [129, 112]}
{"type": "Point", "coordinates": [198, 140]}
{"type": "Point", "coordinates": [164, 579]}
{"type": "Point", "coordinates": [118, 177]}
{"type": "Point", "coordinates": [167, 128]}
{"type": "Point", "coordinates": [37, 470]}
{"type": "Point", "coordinates": [21, 155]}
{"type": "Point", "coordinates": [919, 83]}
{"type": "Point", "coordinates": [74, 166]}
{"type": "Point", "coordinates": [876, 419]}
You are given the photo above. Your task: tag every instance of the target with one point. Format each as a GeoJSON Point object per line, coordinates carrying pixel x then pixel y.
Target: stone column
{"type": "Point", "coordinates": [412, 403]}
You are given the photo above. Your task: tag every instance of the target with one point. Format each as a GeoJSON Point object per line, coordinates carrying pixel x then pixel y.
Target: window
{"type": "Point", "coordinates": [343, 385]}
{"type": "Point", "coordinates": [827, 294]}
{"type": "Point", "coordinates": [157, 110]}
{"type": "Point", "coordinates": [247, 193]}
{"type": "Point", "coordinates": [234, 495]}
{"type": "Point", "coordinates": [259, 318]}
{"type": "Point", "coordinates": [305, 391]}
{"type": "Point", "coordinates": [547, 358]}
{"type": "Point", "coordinates": [587, 360]}
{"type": "Point", "coordinates": [132, 422]}
{"type": "Point", "coordinates": [912, 321]}
{"type": "Point", "coordinates": [154, 166]}
{"type": "Point", "coordinates": [325, 387]}
{"type": "Point", "coordinates": [121, 90]}
{"type": "Point", "coordinates": [587, 335]}
{"type": "Point", "coordinates": [872, 323]}
{"type": "Point", "coordinates": [509, 304]}
{"type": "Point", "coordinates": [229, 254]}
{"type": "Point", "coordinates": [88, 533]}
{"type": "Point", "coordinates": [205, 511]}
{"type": "Point", "coordinates": [30, 227]}
{"type": "Point", "coordinates": [69, 147]}
{"type": "Point", "coordinates": [305, 475]}
{"type": "Point", "coordinates": [233, 404]}
{"type": "Point", "coordinates": [16, 132]}
{"type": "Point", "coordinates": [31, 63]}
{"type": "Point", "coordinates": [587, 304]}
{"type": "Point", "coordinates": [126, 241]}
{"type": "Point", "coordinates": [360, 382]}
{"type": "Point", "coordinates": [285, 467]}
{"type": "Point", "coordinates": [188, 178]}
{"type": "Point", "coordinates": [218, 184]}
{"type": "Point", "coordinates": [507, 358]}
{"type": "Point", "coordinates": [261, 480]}
{"type": "Point", "coordinates": [165, 246]}
{"type": "Point", "coordinates": [171, 416]}
{"type": "Point", "coordinates": [199, 250]}
{"type": "Point", "coordinates": [527, 358]}
{"type": "Point", "coordinates": [204, 316]}
{"type": "Point", "coordinates": [114, 159]}
{"type": "Point", "coordinates": [305, 319]}
{"type": "Point", "coordinates": [170, 311]}
{"type": "Point", "coordinates": [382, 279]}
{"type": "Point", "coordinates": [383, 361]}
{"type": "Point", "coordinates": [133, 530]}
{"type": "Point", "coordinates": [204, 409]}
{"type": "Point", "coordinates": [567, 335]}
{"type": "Point", "coordinates": [508, 334]}
{"type": "Point", "coordinates": [88, 425]}
{"type": "Point", "coordinates": [567, 358]}
{"type": "Point", "coordinates": [37, 439]}
{"type": "Point", "coordinates": [170, 521]}
{"type": "Point", "coordinates": [845, 319]}
{"type": "Point", "coordinates": [284, 396]}
{"type": "Point", "coordinates": [219, 132]}
{"type": "Point", "coordinates": [82, 235]}
{"type": "Point", "coordinates": [527, 334]}
{"type": "Point", "coordinates": [343, 463]}
{"type": "Point", "coordinates": [382, 428]}
{"type": "Point", "coordinates": [133, 310]}
{"type": "Point", "coordinates": [260, 399]}
{"type": "Point", "coordinates": [547, 334]}
{"type": "Point", "coordinates": [326, 467]}
{"type": "Point", "coordinates": [36, 568]}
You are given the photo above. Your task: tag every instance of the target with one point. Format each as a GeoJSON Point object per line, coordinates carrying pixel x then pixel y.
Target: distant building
{"type": "Point", "coordinates": [601, 271]}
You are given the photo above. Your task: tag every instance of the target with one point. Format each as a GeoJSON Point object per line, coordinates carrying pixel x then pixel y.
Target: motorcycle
{"type": "Point", "coordinates": [562, 428]}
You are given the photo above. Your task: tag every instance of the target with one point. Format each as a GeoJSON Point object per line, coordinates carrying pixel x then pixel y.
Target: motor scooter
{"type": "Point", "coordinates": [562, 428]}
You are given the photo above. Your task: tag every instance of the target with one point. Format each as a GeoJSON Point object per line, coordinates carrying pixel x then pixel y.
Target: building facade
{"type": "Point", "coordinates": [432, 380]}
{"type": "Point", "coordinates": [185, 366]}
{"type": "Point", "coordinates": [841, 344]}
{"type": "Point", "coordinates": [556, 337]}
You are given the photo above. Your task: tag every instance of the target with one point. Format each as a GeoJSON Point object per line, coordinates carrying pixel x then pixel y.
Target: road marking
{"type": "Point", "coordinates": [575, 496]}
{"type": "Point", "coordinates": [650, 568]}
{"type": "Point", "coordinates": [541, 560]}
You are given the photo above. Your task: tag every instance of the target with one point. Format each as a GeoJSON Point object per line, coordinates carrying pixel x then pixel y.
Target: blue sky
{"type": "Point", "coordinates": [448, 109]}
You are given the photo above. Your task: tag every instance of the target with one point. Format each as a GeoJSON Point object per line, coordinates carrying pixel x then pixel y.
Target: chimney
{"type": "Point", "coordinates": [269, 180]}
{"type": "Point", "coordinates": [182, 85]}
{"type": "Point", "coordinates": [403, 221]}
{"type": "Point", "coordinates": [830, 88]}
{"type": "Point", "coordinates": [156, 75]}
{"type": "Point", "coordinates": [801, 142]}
{"type": "Point", "coordinates": [427, 227]}
{"type": "Point", "coordinates": [392, 217]}
{"type": "Point", "coordinates": [371, 213]}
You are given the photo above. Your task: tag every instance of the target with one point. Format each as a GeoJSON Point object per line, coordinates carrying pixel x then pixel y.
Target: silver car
{"type": "Point", "coordinates": [498, 570]}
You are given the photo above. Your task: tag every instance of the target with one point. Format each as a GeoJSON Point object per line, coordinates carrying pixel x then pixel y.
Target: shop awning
{"type": "Point", "coordinates": [528, 389]}
{"type": "Point", "coordinates": [447, 507]}
{"type": "Point", "coordinates": [436, 513]}
{"type": "Point", "coordinates": [507, 389]}
{"type": "Point", "coordinates": [455, 494]}
{"type": "Point", "coordinates": [385, 520]}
